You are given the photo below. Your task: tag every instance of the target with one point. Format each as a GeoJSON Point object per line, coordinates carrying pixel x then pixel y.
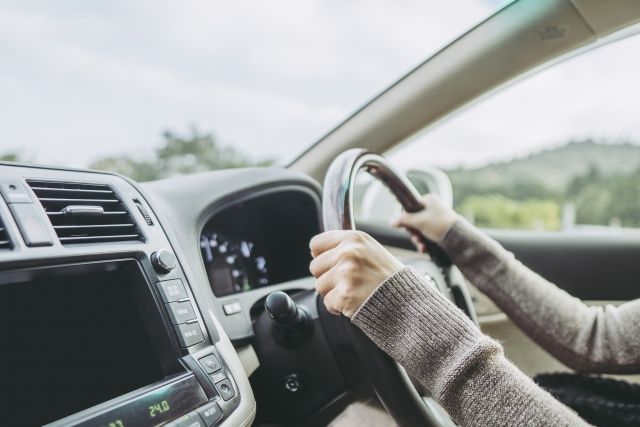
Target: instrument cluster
{"type": "Point", "coordinates": [234, 265]}
{"type": "Point", "coordinates": [259, 241]}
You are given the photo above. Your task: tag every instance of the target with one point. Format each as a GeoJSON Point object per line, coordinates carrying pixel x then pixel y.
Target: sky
{"type": "Point", "coordinates": [81, 80]}
{"type": "Point", "coordinates": [594, 95]}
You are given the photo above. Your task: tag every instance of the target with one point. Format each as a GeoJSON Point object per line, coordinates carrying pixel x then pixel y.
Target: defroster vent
{"type": "Point", "coordinates": [85, 213]}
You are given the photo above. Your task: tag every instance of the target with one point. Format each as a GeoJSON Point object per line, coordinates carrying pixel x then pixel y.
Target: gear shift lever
{"type": "Point", "coordinates": [292, 326]}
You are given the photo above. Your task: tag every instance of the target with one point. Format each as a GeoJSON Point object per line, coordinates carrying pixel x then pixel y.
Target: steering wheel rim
{"type": "Point", "coordinates": [337, 199]}
{"type": "Point", "coordinates": [389, 380]}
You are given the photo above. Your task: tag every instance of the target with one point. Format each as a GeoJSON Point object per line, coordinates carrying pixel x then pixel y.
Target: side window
{"type": "Point", "coordinates": [557, 151]}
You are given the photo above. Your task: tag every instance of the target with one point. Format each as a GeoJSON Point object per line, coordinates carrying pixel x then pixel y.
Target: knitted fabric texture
{"type": "Point", "coordinates": [466, 370]}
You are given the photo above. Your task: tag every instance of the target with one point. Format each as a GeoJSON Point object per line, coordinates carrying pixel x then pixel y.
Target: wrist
{"type": "Point", "coordinates": [446, 224]}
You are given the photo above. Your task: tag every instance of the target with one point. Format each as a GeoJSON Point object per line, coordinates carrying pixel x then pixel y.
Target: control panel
{"type": "Point", "coordinates": [219, 386]}
{"type": "Point", "coordinates": [181, 312]}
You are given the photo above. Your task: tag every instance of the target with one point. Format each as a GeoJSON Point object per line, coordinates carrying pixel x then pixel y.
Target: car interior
{"type": "Point", "coordinates": [188, 301]}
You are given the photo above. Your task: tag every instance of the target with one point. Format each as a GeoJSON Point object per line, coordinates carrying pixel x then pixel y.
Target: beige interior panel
{"type": "Point", "coordinates": [524, 35]}
{"type": "Point", "coordinates": [607, 16]}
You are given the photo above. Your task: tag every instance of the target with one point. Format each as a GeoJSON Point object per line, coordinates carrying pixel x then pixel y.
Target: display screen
{"type": "Point", "coordinates": [70, 340]}
{"type": "Point", "coordinates": [259, 242]}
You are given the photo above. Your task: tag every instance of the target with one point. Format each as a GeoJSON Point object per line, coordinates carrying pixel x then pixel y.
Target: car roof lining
{"type": "Point", "coordinates": [523, 36]}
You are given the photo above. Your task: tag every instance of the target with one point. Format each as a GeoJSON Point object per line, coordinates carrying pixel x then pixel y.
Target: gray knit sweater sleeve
{"type": "Point", "coordinates": [465, 370]}
{"type": "Point", "coordinates": [587, 339]}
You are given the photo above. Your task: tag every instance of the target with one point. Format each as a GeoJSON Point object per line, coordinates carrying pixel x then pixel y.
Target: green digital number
{"type": "Point", "coordinates": [116, 423]}
{"type": "Point", "coordinates": [158, 408]}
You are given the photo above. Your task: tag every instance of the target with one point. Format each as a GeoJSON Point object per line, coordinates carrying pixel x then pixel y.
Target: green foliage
{"type": "Point", "coordinates": [516, 190]}
{"type": "Point", "coordinates": [552, 169]}
{"type": "Point", "coordinates": [601, 181]}
{"type": "Point", "coordinates": [179, 155]}
{"type": "Point", "coordinates": [498, 211]}
{"type": "Point", "coordinates": [139, 170]}
{"type": "Point", "coordinates": [607, 200]}
{"type": "Point", "coordinates": [14, 156]}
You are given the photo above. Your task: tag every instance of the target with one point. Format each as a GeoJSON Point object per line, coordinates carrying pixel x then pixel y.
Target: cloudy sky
{"type": "Point", "coordinates": [80, 80]}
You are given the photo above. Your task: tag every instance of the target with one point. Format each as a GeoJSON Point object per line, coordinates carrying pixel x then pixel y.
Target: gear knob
{"type": "Point", "coordinates": [292, 325]}
{"type": "Point", "coordinates": [282, 309]}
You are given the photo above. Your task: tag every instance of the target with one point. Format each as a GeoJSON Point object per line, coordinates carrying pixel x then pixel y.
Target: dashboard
{"type": "Point", "coordinates": [114, 297]}
{"type": "Point", "coordinates": [125, 304]}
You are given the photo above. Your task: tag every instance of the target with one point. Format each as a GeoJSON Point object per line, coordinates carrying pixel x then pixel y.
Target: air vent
{"type": "Point", "coordinates": [85, 213]}
{"type": "Point", "coordinates": [5, 242]}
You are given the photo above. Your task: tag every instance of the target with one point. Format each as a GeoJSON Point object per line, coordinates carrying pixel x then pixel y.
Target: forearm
{"type": "Point", "coordinates": [584, 338]}
{"type": "Point", "coordinates": [464, 370]}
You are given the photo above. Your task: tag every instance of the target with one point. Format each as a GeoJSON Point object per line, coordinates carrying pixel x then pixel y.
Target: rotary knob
{"type": "Point", "coordinates": [163, 261]}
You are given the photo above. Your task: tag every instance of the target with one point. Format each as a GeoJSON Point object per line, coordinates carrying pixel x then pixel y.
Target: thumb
{"type": "Point", "coordinates": [403, 220]}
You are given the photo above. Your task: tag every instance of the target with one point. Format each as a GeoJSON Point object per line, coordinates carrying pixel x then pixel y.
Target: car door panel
{"type": "Point", "coordinates": [589, 266]}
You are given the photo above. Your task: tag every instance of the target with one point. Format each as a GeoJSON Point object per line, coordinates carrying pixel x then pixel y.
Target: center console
{"type": "Point", "coordinates": [98, 322]}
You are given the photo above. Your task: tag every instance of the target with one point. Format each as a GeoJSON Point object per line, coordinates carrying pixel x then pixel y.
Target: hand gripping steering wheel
{"type": "Point", "coordinates": [390, 382]}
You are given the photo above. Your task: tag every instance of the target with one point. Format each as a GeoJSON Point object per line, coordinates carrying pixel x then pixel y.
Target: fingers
{"type": "Point", "coordinates": [333, 302]}
{"type": "Point", "coordinates": [418, 241]}
{"type": "Point", "coordinates": [403, 220]}
{"type": "Point", "coordinates": [324, 262]}
{"type": "Point", "coordinates": [325, 283]}
{"type": "Point", "coordinates": [327, 240]}
{"type": "Point", "coordinates": [330, 239]}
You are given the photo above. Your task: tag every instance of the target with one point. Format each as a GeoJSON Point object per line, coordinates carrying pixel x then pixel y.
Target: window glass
{"type": "Point", "coordinates": [153, 89]}
{"type": "Point", "coordinates": [559, 150]}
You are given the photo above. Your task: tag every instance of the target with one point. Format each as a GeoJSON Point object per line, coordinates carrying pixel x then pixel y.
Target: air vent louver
{"type": "Point", "coordinates": [5, 242]}
{"type": "Point", "coordinates": [85, 213]}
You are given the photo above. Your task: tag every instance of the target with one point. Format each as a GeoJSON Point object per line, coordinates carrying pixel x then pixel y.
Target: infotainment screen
{"type": "Point", "coordinates": [70, 338]}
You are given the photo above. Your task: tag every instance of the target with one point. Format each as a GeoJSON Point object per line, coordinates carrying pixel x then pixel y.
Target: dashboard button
{"type": "Point", "coordinates": [217, 377]}
{"type": "Point", "coordinates": [226, 389]}
{"type": "Point", "coordinates": [210, 413]}
{"type": "Point", "coordinates": [13, 192]}
{"type": "Point", "coordinates": [232, 308]}
{"type": "Point", "coordinates": [192, 419]}
{"type": "Point", "coordinates": [189, 334]}
{"type": "Point", "coordinates": [181, 312]}
{"type": "Point", "coordinates": [172, 290]}
{"type": "Point", "coordinates": [293, 383]}
{"type": "Point", "coordinates": [210, 364]}
{"type": "Point", "coordinates": [31, 223]}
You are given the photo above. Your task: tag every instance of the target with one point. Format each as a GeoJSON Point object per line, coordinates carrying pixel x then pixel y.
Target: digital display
{"type": "Point", "coordinates": [259, 242]}
{"type": "Point", "coordinates": [233, 265]}
{"type": "Point", "coordinates": [71, 340]}
{"type": "Point", "coordinates": [154, 407]}
{"type": "Point", "coordinates": [159, 408]}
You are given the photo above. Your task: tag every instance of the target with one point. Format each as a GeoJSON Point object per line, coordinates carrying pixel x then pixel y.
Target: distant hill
{"type": "Point", "coordinates": [552, 168]}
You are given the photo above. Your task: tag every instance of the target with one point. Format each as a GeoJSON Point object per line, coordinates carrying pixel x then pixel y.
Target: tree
{"type": "Point", "coordinates": [179, 155]}
{"type": "Point", "coordinates": [139, 170]}
{"type": "Point", "coordinates": [603, 200]}
{"type": "Point", "coordinates": [14, 156]}
{"type": "Point", "coordinates": [498, 211]}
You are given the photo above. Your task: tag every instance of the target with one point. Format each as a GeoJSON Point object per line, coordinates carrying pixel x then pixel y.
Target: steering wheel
{"type": "Point", "coordinates": [389, 380]}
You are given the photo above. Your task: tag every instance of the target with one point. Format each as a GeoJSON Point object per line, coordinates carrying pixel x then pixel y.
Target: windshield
{"type": "Point", "coordinates": [151, 89]}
